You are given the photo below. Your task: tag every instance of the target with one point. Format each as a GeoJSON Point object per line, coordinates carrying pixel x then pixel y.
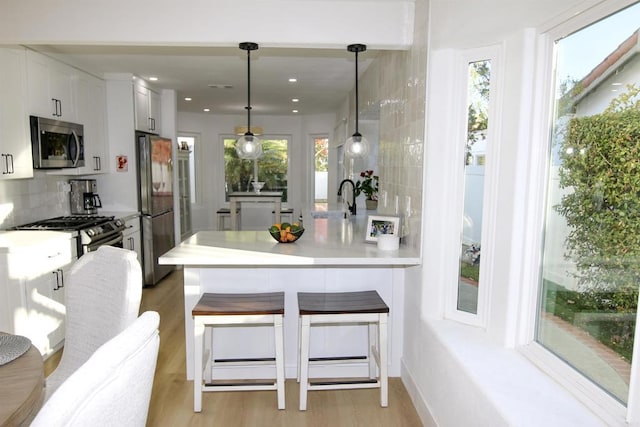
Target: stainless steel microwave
{"type": "Point", "coordinates": [56, 144]}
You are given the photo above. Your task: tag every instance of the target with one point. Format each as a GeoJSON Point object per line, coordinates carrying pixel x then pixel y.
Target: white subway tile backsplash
{"type": "Point", "coordinates": [400, 85]}
{"type": "Point", "coordinates": [28, 200]}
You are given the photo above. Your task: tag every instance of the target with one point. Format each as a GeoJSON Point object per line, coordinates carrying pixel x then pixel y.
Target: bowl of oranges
{"type": "Point", "coordinates": [285, 232]}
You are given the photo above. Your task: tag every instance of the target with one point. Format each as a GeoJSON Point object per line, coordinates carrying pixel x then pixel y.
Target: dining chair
{"type": "Point", "coordinates": [103, 294]}
{"type": "Point", "coordinates": [113, 387]}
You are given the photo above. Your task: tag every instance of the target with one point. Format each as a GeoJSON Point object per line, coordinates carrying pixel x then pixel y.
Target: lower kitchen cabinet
{"type": "Point", "coordinates": [34, 273]}
{"type": "Point", "coordinates": [45, 310]}
{"type": "Point", "coordinates": [131, 236]}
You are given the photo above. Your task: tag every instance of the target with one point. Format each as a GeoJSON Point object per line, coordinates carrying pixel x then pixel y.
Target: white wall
{"type": "Point", "coordinates": [459, 374]}
{"type": "Point", "coordinates": [286, 23]}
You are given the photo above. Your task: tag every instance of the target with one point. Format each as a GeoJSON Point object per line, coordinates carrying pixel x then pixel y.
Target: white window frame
{"type": "Point", "coordinates": [489, 202]}
{"type": "Point", "coordinates": [608, 408]}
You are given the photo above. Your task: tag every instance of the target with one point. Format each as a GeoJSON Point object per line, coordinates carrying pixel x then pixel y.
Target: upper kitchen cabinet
{"type": "Point", "coordinates": [16, 160]}
{"type": "Point", "coordinates": [91, 105]}
{"type": "Point", "coordinates": [50, 87]}
{"type": "Point", "coordinates": [147, 108]}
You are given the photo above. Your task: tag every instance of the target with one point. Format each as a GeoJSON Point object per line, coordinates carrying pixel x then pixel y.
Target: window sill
{"type": "Point", "coordinates": [515, 389]}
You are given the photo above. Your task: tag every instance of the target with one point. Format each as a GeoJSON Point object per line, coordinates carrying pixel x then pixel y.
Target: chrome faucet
{"type": "Point", "coordinates": [352, 208]}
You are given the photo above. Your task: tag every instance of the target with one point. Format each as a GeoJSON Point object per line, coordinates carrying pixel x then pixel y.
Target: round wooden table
{"type": "Point", "coordinates": [21, 388]}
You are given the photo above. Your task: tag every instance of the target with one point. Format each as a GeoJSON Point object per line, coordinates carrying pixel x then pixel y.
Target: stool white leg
{"type": "Point", "coordinates": [277, 325]}
{"type": "Point", "coordinates": [372, 345]}
{"type": "Point", "coordinates": [198, 335]}
{"type": "Point", "coordinates": [299, 347]}
{"type": "Point", "coordinates": [382, 349]}
{"type": "Point", "coordinates": [208, 352]}
{"type": "Point", "coordinates": [304, 360]}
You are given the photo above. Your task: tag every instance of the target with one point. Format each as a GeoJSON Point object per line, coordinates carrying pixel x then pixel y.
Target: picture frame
{"type": "Point", "coordinates": [381, 224]}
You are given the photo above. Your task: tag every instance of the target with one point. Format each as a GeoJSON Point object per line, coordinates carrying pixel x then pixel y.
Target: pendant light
{"type": "Point", "coordinates": [357, 145]}
{"type": "Point", "coordinates": [249, 146]}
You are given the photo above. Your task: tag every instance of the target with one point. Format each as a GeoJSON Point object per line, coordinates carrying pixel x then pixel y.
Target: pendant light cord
{"type": "Point", "coordinates": [248, 46]}
{"type": "Point", "coordinates": [356, 48]}
{"type": "Point", "coordinates": [249, 91]}
{"type": "Point", "coordinates": [357, 92]}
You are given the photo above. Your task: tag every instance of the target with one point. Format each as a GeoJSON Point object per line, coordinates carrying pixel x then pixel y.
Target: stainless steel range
{"type": "Point", "coordinates": [93, 231]}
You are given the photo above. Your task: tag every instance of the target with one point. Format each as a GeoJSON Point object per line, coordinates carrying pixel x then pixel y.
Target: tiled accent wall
{"type": "Point", "coordinates": [400, 87]}
{"type": "Point", "coordinates": [27, 200]}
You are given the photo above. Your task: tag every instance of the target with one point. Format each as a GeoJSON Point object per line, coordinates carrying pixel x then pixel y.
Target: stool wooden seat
{"type": "Point", "coordinates": [225, 213]}
{"type": "Point", "coordinates": [338, 309]}
{"type": "Point", "coordinates": [215, 309]}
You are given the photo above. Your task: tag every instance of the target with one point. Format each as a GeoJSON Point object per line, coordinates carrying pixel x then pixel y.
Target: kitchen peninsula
{"type": "Point", "coordinates": [331, 256]}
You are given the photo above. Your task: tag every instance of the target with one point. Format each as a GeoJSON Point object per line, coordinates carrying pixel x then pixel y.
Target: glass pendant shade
{"type": "Point", "coordinates": [356, 146]}
{"type": "Point", "coordinates": [249, 146]}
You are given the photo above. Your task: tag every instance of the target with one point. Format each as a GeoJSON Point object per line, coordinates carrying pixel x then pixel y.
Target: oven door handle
{"type": "Point", "coordinates": [109, 243]}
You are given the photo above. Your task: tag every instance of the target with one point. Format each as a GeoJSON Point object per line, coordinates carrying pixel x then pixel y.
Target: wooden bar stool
{"type": "Point", "coordinates": [225, 214]}
{"type": "Point", "coordinates": [237, 309]}
{"type": "Point", "coordinates": [339, 309]}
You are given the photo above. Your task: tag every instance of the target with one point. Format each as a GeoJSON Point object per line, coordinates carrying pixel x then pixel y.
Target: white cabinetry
{"type": "Point", "coordinates": [33, 271]}
{"type": "Point", "coordinates": [147, 109]}
{"type": "Point", "coordinates": [16, 160]}
{"type": "Point", "coordinates": [131, 236]}
{"type": "Point", "coordinates": [184, 187]}
{"type": "Point", "coordinates": [91, 103]}
{"type": "Point", "coordinates": [50, 87]}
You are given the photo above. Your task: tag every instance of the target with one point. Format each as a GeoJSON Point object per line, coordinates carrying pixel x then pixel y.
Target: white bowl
{"type": "Point", "coordinates": [257, 185]}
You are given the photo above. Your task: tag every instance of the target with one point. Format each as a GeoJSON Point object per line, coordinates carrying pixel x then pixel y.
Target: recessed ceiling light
{"type": "Point", "coordinates": [206, 110]}
{"type": "Point", "coordinates": [187, 99]}
{"type": "Point", "coordinates": [292, 80]}
{"type": "Point", "coordinates": [220, 86]}
{"type": "Point", "coordinates": [294, 111]}
{"type": "Point", "coordinates": [153, 78]}
{"type": "Point", "coordinates": [295, 100]}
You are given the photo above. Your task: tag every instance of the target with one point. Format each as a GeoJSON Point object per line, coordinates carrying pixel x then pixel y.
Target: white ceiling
{"type": "Point", "coordinates": [325, 76]}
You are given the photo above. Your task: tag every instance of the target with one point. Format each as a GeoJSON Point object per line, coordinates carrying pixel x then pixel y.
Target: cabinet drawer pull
{"type": "Point", "coordinates": [57, 280]}
{"type": "Point", "coordinates": [5, 171]}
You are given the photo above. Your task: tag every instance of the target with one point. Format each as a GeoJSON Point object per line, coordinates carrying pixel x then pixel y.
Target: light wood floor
{"type": "Point", "coordinates": [172, 397]}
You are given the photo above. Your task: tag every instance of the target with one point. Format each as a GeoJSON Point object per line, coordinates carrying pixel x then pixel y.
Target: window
{"type": "Point", "coordinates": [272, 167]}
{"type": "Point", "coordinates": [478, 91]}
{"type": "Point", "coordinates": [321, 167]}
{"type": "Point", "coordinates": [590, 272]}
{"type": "Point", "coordinates": [474, 174]}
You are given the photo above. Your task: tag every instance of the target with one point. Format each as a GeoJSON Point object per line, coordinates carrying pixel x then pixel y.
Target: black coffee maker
{"type": "Point", "coordinates": [84, 197]}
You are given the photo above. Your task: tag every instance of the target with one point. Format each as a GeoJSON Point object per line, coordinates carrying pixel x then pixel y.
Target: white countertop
{"type": "Point", "coordinates": [325, 242]}
{"type": "Point", "coordinates": [18, 240]}
{"type": "Point", "coordinates": [123, 215]}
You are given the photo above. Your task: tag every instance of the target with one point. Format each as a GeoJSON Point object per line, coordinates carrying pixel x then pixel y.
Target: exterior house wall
{"type": "Point", "coordinates": [598, 99]}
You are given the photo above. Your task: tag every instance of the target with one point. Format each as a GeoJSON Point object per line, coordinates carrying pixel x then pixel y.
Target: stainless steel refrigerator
{"type": "Point", "coordinates": [155, 178]}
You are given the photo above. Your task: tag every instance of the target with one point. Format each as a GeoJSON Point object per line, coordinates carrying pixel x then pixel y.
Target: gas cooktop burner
{"type": "Point", "coordinates": [73, 222]}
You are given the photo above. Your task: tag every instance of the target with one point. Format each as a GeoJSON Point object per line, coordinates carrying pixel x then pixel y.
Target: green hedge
{"type": "Point", "coordinates": [601, 166]}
